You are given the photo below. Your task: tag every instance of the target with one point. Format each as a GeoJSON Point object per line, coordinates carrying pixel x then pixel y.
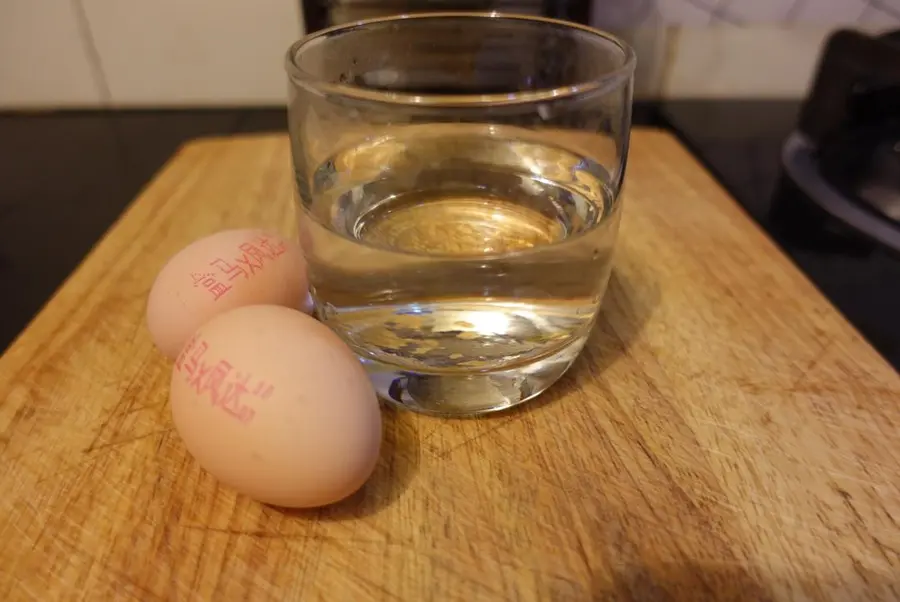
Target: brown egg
{"type": "Point", "coordinates": [274, 405]}
{"type": "Point", "coordinates": [218, 273]}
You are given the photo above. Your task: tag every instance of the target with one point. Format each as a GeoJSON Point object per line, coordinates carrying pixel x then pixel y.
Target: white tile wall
{"type": "Point", "coordinates": [722, 62]}
{"type": "Point", "coordinates": [734, 48]}
{"type": "Point", "coordinates": [818, 11]}
{"type": "Point", "coordinates": [685, 12]}
{"type": "Point", "coordinates": [763, 61]}
{"type": "Point", "coordinates": [652, 46]}
{"type": "Point", "coordinates": [193, 52]}
{"type": "Point", "coordinates": [631, 13]}
{"type": "Point", "coordinates": [764, 11]}
{"type": "Point", "coordinates": [43, 60]}
{"type": "Point", "coordinates": [125, 53]}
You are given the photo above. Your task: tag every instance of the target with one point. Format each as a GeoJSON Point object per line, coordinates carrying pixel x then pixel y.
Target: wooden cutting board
{"type": "Point", "coordinates": [725, 435]}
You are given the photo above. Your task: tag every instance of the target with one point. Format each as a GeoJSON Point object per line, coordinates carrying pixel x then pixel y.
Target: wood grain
{"type": "Point", "coordinates": [726, 434]}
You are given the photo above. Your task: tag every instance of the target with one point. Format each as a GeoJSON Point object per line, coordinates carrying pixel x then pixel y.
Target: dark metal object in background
{"type": "Point", "coordinates": [837, 207]}
{"type": "Point", "coordinates": [844, 156]}
{"type": "Point", "coordinates": [319, 14]}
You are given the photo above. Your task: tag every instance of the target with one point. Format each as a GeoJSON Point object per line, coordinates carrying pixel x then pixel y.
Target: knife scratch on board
{"type": "Point", "coordinates": [386, 593]}
{"type": "Point", "coordinates": [121, 442]}
{"type": "Point", "coordinates": [263, 534]}
{"type": "Point", "coordinates": [804, 371]}
{"type": "Point", "coordinates": [136, 590]}
{"type": "Point", "coordinates": [443, 454]}
{"type": "Point", "coordinates": [122, 407]}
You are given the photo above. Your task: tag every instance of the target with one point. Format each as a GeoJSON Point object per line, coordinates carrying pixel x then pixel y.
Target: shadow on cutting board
{"type": "Point", "coordinates": [630, 299]}
{"type": "Point", "coordinates": [397, 465]}
{"type": "Point", "coordinates": [673, 582]}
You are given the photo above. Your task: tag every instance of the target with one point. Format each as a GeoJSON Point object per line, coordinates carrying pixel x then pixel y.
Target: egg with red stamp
{"type": "Point", "coordinates": [220, 272]}
{"type": "Point", "coordinates": [275, 406]}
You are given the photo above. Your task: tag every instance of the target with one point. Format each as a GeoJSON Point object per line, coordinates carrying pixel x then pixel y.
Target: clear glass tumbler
{"type": "Point", "coordinates": [457, 179]}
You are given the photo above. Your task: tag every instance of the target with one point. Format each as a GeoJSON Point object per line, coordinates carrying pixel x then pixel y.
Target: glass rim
{"type": "Point", "coordinates": [608, 81]}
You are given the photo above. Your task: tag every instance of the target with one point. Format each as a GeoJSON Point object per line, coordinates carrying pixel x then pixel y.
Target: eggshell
{"type": "Point", "coordinates": [274, 405]}
{"type": "Point", "coordinates": [220, 272]}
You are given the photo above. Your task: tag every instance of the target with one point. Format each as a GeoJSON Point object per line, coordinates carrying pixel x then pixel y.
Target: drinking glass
{"type": "Point", "coordinates": [457, 184]}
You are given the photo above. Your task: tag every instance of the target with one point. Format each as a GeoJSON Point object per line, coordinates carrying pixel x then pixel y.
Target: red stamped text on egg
{"type": "Point", "coordinates": [224, 386]}
{"type": "Point", "coordinates": [210, 282]}
{"type": "Point", "coordinates": [248, 259]}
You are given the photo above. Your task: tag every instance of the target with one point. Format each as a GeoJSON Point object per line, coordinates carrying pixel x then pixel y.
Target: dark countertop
{"type": "Point", "coordinates": [65, 177]}
{"type": "Point", "coordinates": [740, 143]}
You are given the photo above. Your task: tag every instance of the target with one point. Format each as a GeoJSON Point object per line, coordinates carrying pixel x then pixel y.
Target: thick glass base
{"type": "Point", "coordinates": [455, 395]}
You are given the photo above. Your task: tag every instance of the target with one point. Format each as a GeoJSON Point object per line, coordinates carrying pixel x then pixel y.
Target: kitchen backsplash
{"type": "Point", "coordinates": [628, 13]}
{"type": "Point", "coordinates": [125, 53]}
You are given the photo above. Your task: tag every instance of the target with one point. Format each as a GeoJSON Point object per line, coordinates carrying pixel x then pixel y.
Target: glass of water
{"type": "Point", "coordinates": [457, 182]}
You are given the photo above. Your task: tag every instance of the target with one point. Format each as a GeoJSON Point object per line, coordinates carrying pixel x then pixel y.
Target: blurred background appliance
{"type": "Point", "coordinates": [844, 156]}
{"type": "Point", "coordinates": [319, 14]}
{"type": "Point", "coordinates": [822, 176]}
{"type": "Point", "coordinates": [837, 205]}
